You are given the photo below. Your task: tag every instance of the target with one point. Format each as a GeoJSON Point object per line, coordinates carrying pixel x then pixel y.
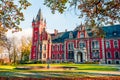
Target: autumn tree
{"type": "Point", "coordinates": [11, 14]}
{"type": "Point", "coordinates": [25, 48]}
{"type": "Point", "coordinates": [96, 13]}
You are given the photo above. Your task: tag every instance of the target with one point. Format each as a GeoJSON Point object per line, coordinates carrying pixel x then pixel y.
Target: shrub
{"type": "Point", "coordinates": [1, 61]}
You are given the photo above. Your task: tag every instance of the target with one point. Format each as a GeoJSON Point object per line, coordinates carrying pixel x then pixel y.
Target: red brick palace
{"type": "Point", "coordinates": [77, 45]}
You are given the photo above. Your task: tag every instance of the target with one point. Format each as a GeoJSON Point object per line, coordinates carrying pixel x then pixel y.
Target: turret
{"type": "Point", "coordinates": [40, 14]}
{"type": "Point", "coordinates": [33, 23]}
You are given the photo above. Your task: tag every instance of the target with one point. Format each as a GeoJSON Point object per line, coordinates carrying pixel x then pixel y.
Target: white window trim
{"type": "Point", "coordinates": [70, 35]}
{"type": "Point", "coordinates": [115, 55]}
{"type": "Point", "coordinates": [110, 54]}
{"type": "Point", "coordinates": [98, 44]}
{"type": "Point", "coordinates": [70, 46]}
{"type": "Point", "coordinates": [81, 42]}
{"type": "Point", "coordinates": [114, 43]}
{"type": "Point", "coordinates": [106, 43]}
{"type": "Point", "coordinates": [83, 35]}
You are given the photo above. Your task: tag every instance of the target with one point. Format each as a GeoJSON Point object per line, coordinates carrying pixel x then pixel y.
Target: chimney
{"type": "Point", "coordinates": [55, 31]}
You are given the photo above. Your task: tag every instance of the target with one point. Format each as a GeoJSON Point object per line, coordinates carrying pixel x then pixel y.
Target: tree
{"type": "Point", "coordinates": [8, 46]}
{"type": "Point", "coordinates": [96, 12]}
{"type": "Point", "coordinates": [25, 48]}
{"type": "Point", "coordinates": [11, 46]}
{"type": "Point", "coordinates": [11, 14]}
{"type": "Point", "coordinates": [15, 52]}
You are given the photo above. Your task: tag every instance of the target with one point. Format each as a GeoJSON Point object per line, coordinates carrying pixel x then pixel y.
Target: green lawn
{"type": "Point", "coordinates": [80, 70]}
{"type": "Point", "coordinates": [95, 67]}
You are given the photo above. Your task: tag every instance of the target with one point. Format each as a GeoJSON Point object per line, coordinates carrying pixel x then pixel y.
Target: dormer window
{"type": "Point", "coordinates": [70, 35]}
{"type": "Point", "coordinates": [114, 33]}
{"type": "Point", "coordinates": [82, 35]}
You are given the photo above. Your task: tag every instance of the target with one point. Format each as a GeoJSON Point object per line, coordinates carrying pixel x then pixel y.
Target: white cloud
{"type": "Point", "coordinates": [25, 32]}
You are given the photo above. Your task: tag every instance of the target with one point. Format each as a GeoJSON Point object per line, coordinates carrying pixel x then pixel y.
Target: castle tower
{"type": "Point", "coordinates": [38, 26]}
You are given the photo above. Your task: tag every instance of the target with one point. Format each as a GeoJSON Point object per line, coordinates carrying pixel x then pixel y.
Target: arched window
{"type": "Point", "coordinates": [108, 55]}
{"type": "Point", "coordinates": [117, 55]}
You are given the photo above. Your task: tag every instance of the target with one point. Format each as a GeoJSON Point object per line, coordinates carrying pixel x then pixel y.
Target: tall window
{"type": "Point", "coordinates": [107, 44]}
{"type": "Point", "coordinates": [81, 45]}
{"type": "Point", "coordinates": [40, 47]}
{"type": "Point", "coordinates": [116, 44]}
{"type": "Point", "coordinates": [109, 55]}
{"type": "Point", "coordinates": [58, 56]}
{"type": "Point", "coordinates": [71, 55]}
{"type": "Point", "coordinates": [62, 47]}
{"type": "Point", "coordinates": [117, 55]}
{"type": "Point", "coordinates": [53, 56]}
{"type": "Point", "coordinates": [63, 56]}
{"type": "Point", "coordinates": [95, 54]}
{"type": "Point", "coordinates": [58, 47]}
{"type": "Point", "coordinates": [95, 44]}
{"type": "Point", "coordinates": [70, 46]}
{"type": "Point", "coordinates": [82, 35]}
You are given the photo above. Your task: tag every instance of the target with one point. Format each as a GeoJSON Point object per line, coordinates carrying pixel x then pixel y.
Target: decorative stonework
{"type": "Point", "coordinates": [83, 55]}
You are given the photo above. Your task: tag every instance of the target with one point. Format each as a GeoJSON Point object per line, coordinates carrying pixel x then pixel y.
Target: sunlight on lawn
{"type": "Point", "coordinates": [6, 67]}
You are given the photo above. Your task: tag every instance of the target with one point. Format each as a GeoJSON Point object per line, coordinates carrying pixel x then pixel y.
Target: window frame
{"type": "Point", "coordinates": [96, 46]}
{"type": "Point", "coordinates": [115, 46]}
{"type": "Point", "coordinates": [70, 46]}
{"type": "Point", "coordinates": [83, 34]}
{"type": "Point", "coordinates": [107, 44]}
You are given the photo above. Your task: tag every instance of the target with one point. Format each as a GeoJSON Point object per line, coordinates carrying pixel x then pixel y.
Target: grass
{"type": "Point", "coordinates": [81, 70]}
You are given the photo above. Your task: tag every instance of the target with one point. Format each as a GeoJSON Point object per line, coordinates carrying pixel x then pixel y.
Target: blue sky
{"type": "Point", "coordinates": [68, 20]}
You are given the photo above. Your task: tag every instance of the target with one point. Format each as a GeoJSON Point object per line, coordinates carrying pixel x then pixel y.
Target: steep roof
{"type": "Point", "coordinates": [64, 35]}
{"type": "Point", "coordinates": [112, 31]}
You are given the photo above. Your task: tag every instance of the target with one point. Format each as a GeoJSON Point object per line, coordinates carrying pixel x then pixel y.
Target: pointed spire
{"type": "Point", "coordinates": [45, 21]}
{"type": "Point", "coordinates": [33, 20]}
{"type": "Point", "coordinates": [40, 14]}
{"type": "Point", "coordinates": [81, 24]}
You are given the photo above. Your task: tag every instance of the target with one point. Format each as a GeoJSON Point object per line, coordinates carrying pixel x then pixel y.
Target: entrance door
{"type": "Point", "coordinates": [79, 57]}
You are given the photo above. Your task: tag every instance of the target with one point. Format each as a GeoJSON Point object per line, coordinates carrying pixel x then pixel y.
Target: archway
{"type": "Point", "coordinates": [79, 57]}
